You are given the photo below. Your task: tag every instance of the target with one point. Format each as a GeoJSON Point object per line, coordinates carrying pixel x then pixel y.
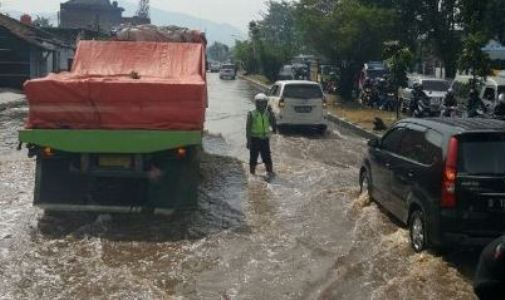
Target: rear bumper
{"type": "Point", "coordinates": [283, 121]}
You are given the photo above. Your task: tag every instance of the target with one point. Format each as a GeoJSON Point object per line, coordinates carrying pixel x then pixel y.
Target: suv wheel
{"type": "Point", "coordinates": [417, 231]}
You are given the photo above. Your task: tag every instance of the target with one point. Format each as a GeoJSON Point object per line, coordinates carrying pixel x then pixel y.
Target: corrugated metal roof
{"type": "Point", "coordinates": [32, 34]}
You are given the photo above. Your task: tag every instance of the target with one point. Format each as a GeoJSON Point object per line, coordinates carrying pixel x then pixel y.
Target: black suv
{"type": "Point", "coordinates": [445, 178]}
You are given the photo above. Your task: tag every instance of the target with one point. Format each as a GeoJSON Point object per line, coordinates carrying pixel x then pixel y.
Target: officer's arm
{"type": "Point", "coordinates": [248, 126]}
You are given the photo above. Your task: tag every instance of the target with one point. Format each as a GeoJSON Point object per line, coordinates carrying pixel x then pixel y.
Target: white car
{"type": "Point", "coordinates": [435, 89]}
{"type": "Point", "coordinates": [298, 103]}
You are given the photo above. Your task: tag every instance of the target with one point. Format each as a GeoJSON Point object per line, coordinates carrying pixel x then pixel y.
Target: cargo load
{"type": "Point", "coordinates": [116, 85]}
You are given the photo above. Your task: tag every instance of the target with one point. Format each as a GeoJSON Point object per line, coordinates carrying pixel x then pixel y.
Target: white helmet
{"type": "Point", "coordinates": [501, 98]}
{"type": "Point", "coordinates": [260, 98]}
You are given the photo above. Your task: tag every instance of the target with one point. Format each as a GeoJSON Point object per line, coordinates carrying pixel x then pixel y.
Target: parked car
{"type": "Point", "coordinates": [214, 68]}
{"type": "Point", "coordinates": [444, 178]}
{"type": "Point", "coordinates": [298, 103]}
{"type": "Point", "coordinates": [434, 88]}
{"type": "Point", "coordinates": [228, 71]}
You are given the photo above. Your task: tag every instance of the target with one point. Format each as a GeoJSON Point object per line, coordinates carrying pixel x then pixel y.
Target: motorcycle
{"type": "Point", "coordinates": [423, 110]}
{"type": "Point", "coordinates": [449, 112]}
{"type": "Point", "coordinates": [388, 102]}
{"type": "Point", "coordinates": [366, 96]}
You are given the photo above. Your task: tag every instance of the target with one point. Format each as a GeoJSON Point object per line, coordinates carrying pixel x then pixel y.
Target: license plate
{"type": "Point", "coordinates": [303, 109]}
{"type": "Point", "coordinates": [496, 204]}
{"type": "Point", "coordinates": [115, 161]}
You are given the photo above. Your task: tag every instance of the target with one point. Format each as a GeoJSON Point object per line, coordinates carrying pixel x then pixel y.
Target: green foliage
{"type": "Point", "coordinates": [42, 22]}
{"type": "Point", "coordinates": [273, 41]}
{"type": "Point", "coordinates": [348, 32]}
{"type": "Point", "coordinates": [473, 59]}
{"type": "Point", "coordinates": [399, 60]}
{"type": "Point", "coordinates": [219, 52]}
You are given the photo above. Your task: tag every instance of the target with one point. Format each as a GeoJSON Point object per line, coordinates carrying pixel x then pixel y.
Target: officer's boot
{"type": "Point", "coordinates": [252, 169]}
{"type": "Point", "coordinates": [270, 169]}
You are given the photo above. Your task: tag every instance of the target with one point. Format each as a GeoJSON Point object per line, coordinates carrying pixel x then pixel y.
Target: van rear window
{"type": "Point", "coordinates": [303, 91]}
{"type": "Point", "coordinates": [482, 155]}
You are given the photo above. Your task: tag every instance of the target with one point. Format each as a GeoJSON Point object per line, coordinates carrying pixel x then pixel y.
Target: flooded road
{"type": "Point", "coordinates": [306, 235]}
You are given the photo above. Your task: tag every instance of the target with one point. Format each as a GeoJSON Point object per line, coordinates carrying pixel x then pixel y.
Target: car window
{"type": "Point", "coordinates": [303, 91]}
{"type": "Point", "coordinates": [482, 154]}
{"type": "Point", "coordinates": [435, 85]}
{"type": "Point", "coordinates": [273, 90]}
{"type": "Point", "coordinates": [489, 94]}
{"type": "Point", "coordinates": [391, 141]}
{"type": "Point", "coordinates": [421, 145]}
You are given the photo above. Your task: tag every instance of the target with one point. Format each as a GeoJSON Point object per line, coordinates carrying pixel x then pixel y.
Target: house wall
{"type": "Point", "coordinates": [14, 60]}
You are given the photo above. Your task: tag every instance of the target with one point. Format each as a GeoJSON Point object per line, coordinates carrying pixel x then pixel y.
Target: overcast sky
{"type": "Point", "coordinates": [235, 12]}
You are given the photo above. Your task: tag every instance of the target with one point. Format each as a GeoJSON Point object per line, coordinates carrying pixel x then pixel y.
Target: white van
{"type": "Point", "coordinates": [298, 103]}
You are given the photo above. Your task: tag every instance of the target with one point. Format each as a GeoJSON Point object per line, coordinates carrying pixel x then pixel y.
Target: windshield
{"type": "Point", "coordinates": [376, 73]}
{"type": "Point", "coordinates": [483, 155]}
{"type": "Point", "coordinates": [303, 91]}
{"type": "Point", "coordinates": [228, 67]}
{"type": "Point", "coordinates": [435, 85]}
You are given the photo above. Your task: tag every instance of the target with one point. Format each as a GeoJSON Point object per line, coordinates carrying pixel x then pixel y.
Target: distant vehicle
{"type": "Point", "coordinates": [298, 103]}
{"type": "Point", "coordinates": [491, 89]}
{"type": "Point", "coordinates": [434, 88]}
{"type": "Point", "coordinates": [444, 178]}
{"type": "Point", "coordinates": [214, 68]}
{"type": "Point", "coordinates": [374, 70]}
{"type": "Point", "coordinates": [286, 73]}
{"type": "Point", "coordinates": [228, 71]}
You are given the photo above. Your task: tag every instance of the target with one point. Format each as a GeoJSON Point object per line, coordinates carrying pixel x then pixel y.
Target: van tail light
{"type": "Point", "coordinates": [325, 103]}
{"type": "Point", "coordinates": [282, 103]}
{"type": "Point", "coordinates": [449, 176]}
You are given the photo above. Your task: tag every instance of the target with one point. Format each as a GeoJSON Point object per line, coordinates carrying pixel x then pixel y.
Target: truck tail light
{"type": "Point", "coordinates": [47, 152]}
{"type": "Point", "coordinates": [449, 177]}
{"type": "Point", "coordinates": [282, 103]}
{"type": "Point", "coordinates": [181, 153]}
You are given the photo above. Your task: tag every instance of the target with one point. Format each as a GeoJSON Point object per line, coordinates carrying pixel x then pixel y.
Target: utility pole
{"type": "Point", "coordinates": [143, 9]}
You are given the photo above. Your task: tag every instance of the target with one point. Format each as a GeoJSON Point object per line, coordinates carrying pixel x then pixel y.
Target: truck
{"type": "Point", "coordinates": [122, 132]}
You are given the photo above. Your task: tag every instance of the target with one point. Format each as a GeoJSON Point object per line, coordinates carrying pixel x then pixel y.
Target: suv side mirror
{"type": "Point", "coordinates": [374, 143]}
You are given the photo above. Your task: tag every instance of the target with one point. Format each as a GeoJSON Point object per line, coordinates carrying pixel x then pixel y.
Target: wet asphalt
{"type": "Point", "coordinates": [307, 234]}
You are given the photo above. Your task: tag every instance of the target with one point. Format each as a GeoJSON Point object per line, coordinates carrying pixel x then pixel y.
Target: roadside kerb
{"type": "Point", "coordinates": [354, 128]}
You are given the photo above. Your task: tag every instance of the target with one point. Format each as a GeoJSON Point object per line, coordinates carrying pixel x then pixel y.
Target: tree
{"type": "Point", "coordinates": [399, 59]}
{"type": "Point", "coordinates": [473, 59]}
{"type": "Point", "coordinates": [219, 52]}
{"type": "Point", "coordinates": [351, 34]}
{"type": "Point", "coordinates": [42, 22]}
{"type": "Point", "coordinates": [143, 9]}
{"type": "Point", "coordinates": [494, 21]}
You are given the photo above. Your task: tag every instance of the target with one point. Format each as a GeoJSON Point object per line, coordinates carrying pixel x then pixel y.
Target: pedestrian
{"type": "Point", "coordinates": [260, 125]}
{"type": "Point", "coordinates": [489, 281]}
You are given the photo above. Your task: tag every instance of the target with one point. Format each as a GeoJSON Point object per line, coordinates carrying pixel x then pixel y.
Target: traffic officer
{"type": "Point", "coordinates": [260, 124]}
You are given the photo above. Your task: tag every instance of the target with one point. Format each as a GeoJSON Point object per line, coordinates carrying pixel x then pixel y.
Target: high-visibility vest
{"type": "Point", "coordinates": [260, 124]}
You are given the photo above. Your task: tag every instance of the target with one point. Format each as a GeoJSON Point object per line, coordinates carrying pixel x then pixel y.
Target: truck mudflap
{"type": "Point", "coordinates": [160, 182]}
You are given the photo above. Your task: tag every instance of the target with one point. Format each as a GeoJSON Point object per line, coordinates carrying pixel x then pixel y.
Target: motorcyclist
{"type": "Point", "coordinates": [419, 96]}
{"type": "Point", "coordinates": [450, 103]}
{"type": "Point", "coordinates": [499, 109]}
{"type": "Point", "coordinates": [474, 104]}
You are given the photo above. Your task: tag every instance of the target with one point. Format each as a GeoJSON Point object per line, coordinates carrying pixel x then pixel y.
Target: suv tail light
{"type": "Point", "coordinates": [449, 176]}
{"type": "Point", "coordinates": [282, 103]}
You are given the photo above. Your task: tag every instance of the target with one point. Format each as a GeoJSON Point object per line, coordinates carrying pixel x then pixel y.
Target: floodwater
{"type": "Point", "coordinates": [306, 235]}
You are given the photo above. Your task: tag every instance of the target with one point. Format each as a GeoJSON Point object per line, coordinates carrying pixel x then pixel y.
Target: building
{"type": "Point", "coordinates": [96, 15]}
{"type": "Point", "coordinates": [29, 52]}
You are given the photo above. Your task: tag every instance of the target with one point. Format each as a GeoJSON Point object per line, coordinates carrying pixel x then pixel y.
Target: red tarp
{"type": "Point", "coordinates": [100, 92]}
